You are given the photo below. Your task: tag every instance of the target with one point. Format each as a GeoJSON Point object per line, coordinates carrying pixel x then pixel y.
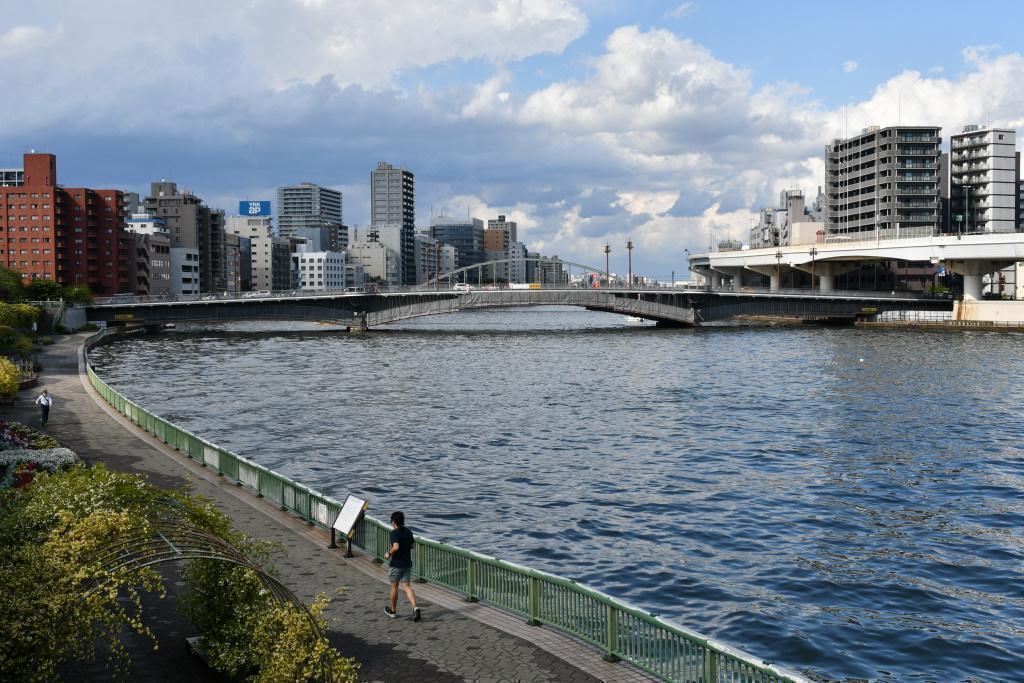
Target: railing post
{"type": "Point", "coordinates": [471, 580]}
{"type": "Point", "coordinates": [533, 598]}
{"type": "Point", "coordinates": [420, 554]}
{"type": "Point", "coordinates": [611, 644]}
{"type": "Point", "coordinates": [710, 665]}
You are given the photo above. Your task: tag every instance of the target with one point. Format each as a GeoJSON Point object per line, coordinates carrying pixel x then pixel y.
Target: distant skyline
{"type": "Point", "coordinates": [585, 122]}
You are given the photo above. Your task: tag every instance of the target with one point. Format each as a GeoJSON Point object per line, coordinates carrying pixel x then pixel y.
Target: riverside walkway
{"type": "Point", "coordinates": [456, 640]}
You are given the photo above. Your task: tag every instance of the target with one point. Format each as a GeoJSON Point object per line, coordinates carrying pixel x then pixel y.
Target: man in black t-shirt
{"type": "Point", "coordinates": [400, 555]}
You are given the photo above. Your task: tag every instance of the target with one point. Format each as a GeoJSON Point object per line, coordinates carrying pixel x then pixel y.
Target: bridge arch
{"type": "Point", "coordinates": [454, 276]}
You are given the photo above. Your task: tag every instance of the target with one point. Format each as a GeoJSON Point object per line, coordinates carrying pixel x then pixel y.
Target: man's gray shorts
{"type": "Point", "coordinates": [398, 574]}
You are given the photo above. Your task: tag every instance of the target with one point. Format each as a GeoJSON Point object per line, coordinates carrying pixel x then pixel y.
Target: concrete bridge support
{"type": "Point", "coordinates": [734, 272]}
{"type": "Point", "coordinates": [973, 272]}
{"type": "Point", "coordinates": [773, 273]}
{"type": "Point", "coordinates": [826, 272]}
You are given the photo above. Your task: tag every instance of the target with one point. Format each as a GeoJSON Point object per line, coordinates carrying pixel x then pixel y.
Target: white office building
{"type": "Point", "coordinates": [983, 180]}
{"type": "Point", "coordinates": [320, 271]}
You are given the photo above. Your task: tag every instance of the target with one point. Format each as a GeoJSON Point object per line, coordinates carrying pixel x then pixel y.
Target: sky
{"type": "Point", "coordinates": [586, 121]}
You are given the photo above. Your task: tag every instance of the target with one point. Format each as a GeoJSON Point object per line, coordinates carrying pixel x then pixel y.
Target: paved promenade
{"type": "Point", "coordinates": [455, 641]}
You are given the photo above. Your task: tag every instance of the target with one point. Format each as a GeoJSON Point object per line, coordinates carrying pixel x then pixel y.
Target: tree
{"type": "Point", "coordinates": [42, 289]}
{"type": "Point", "coordinates": [10, 285]}
{"type": "Point", "coordinates": [77, 294]}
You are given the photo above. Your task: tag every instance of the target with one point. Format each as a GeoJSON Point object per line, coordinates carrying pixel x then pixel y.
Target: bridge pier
{"type": "Point", "coordinates": [773, 273]}
{"type": "Point", "coordinates": [358, 324]}
{"type": "Point", "coordinates": [973, 272]}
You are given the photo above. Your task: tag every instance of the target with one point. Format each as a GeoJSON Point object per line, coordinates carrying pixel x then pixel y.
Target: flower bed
{"type": "Point", "coordinates": [23, 451]}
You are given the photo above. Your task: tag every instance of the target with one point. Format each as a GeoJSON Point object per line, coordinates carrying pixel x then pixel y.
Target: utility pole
{"type": "Point", "coordinates": [629, 248]}
{"type": "Point", "coordinates": [607, 273]}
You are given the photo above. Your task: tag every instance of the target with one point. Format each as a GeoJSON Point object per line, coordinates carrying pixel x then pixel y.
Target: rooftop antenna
{"type": "Point", "coordinates": [899, 107]}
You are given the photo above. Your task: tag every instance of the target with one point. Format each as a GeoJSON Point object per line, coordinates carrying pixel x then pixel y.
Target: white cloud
{"type": "Point", "coordinates": [850, 66]}
{"type": "Point", "coordinates": [22, 40]}
{"type": "Point", "coordinates": [679, 11]}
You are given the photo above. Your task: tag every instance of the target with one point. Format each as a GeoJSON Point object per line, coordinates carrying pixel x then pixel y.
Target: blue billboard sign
{"type": "Point", "coordinates": [248, 208]}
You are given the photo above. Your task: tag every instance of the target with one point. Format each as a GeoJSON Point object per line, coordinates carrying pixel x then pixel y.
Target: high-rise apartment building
{"type": "Point", "coordinates": [983, 180]}
{"type": "Point", "coordinates": [393, 201]}
{"type": "Point", "coordinates": [191, 225]}
{"type": "Point", "coordinates": [73, 235]}
{"type": "Point", "coordinates": [152, 271]}
{"type": "Point", "coordinates": [465, 234]}
{"type": "Point", "coordinates": [308, 206]}
{"type": "Point", "coordinates": [884, 179]}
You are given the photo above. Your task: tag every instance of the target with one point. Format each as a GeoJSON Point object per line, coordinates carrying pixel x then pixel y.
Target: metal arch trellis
{"type": "Point", "coordinates": [171, 538]}
{"type": "Point", "coordinates": [448, 277]}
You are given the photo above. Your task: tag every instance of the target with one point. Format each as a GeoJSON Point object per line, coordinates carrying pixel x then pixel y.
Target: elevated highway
{"type": "Point", "coordinates": [971, 255]}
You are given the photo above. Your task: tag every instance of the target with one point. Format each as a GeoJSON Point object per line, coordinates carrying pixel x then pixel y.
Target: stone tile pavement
{"type": "Point", "coordinates": [455, 641]}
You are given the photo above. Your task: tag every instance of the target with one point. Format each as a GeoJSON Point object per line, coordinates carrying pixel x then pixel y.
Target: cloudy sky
{"type": "Point", "coordinates": [585, 120]}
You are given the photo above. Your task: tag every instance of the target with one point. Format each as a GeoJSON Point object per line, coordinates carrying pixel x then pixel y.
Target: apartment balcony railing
{"type": "Point", "coordinates": [911, 151]}
{"type": "Point", "coordinates": [917, 138]}
{"type": "Point", "coordinates": [916, 190]}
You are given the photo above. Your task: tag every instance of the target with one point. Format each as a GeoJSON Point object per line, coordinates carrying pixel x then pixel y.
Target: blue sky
{"type": "Point", "coordinates": [587, 121]}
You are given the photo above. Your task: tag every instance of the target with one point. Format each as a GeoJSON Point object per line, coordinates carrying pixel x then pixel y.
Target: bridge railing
{"type": "Point", "coordinates": [621, 631]}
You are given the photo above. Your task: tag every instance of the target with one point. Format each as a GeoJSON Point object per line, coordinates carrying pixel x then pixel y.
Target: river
{"type": "Point", "coordinates": [845, 502]}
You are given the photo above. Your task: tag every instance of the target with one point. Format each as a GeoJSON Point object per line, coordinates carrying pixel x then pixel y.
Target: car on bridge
{"type": "Point", "coordinates": [462, 287]}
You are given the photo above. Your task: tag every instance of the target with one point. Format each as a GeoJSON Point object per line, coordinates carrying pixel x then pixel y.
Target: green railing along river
{"type": "Point", "coordinates": [621, 631]}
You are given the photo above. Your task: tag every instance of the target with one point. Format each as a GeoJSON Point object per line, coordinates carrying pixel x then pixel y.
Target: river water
{"type": "Point", "coordinates": [845, 502]}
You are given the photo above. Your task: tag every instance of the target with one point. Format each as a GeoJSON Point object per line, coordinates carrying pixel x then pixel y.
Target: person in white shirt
{"type": "Point", "coordinates": [44, 402]}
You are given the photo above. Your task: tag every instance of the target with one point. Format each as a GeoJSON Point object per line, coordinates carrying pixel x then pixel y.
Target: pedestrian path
{"type": "Point", "coordinates": [455, 641]}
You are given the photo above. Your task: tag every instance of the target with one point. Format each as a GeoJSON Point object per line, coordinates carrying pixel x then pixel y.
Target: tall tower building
{"type": "Point", "coordinates": [885, 179]}
{"type": "Point", "coordinates": [393, 201]}
{"type": "Point", "coordinates": [307, 205]}
{"type": "Point", "coordinates": [983, 178]}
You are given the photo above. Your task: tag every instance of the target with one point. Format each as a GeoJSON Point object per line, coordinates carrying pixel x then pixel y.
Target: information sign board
{"type": "Point", "coordinates": [345, 524]}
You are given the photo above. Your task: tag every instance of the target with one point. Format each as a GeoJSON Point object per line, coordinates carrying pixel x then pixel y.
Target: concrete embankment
{"type": "Point", "coordinates": [455, 641]}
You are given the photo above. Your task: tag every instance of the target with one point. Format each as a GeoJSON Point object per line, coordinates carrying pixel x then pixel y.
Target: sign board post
{"type": "Point", "coordinates": [346, 522]}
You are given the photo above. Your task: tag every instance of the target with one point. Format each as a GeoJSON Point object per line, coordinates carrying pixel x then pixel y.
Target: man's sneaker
{"type": "Point", "coordinates": [390, 612]}
{"type": "Point", "coordinates": [416, 614]}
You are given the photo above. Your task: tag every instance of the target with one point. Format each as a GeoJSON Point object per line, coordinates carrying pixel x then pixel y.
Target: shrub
{"type": "Point", "coordinates": [18, 435]}
{"type": "Point", "coordinates": [89, 327]}
{"type": "Point", "coordinates": [9, 378]}
{"type": "Point", "coordinates": [51, 532]}
{"type": "Point", "coordinates": [18, 316]}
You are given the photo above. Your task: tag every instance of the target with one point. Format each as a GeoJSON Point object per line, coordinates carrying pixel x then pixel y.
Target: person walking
{"type": "Point", "coordinates": [44, 401]}
{"type": "Point", "coordinates": [400, 556]}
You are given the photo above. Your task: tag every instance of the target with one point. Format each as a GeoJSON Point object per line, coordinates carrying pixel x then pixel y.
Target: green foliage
{"type": "Point", "coordinates": [10, 286]}
{"type": "Point", "coordinates": [51, 531]}
{"type": "Point", "coordinates": [9, 378]}
{"type": "Point", "coordinates": [89, 327]}
{"type": "Point", "coordinates": [77, 294]}
{"type": "Point", "coordinates": [41, 289]}
{"type": "Point", "coordinates": [18, 316]}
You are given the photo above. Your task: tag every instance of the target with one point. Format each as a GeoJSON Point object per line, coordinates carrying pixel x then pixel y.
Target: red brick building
{"type": "Point", "coordinates": [71, 235]}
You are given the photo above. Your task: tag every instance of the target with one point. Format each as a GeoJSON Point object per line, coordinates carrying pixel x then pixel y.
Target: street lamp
{"type": "Point", "coordinates": [629, 248]}
{"type": "Point", "coordinates": [778, 268]}
{"type": "Point", "coordinates": [607, 272]}
{"type": "Point", "coordinates": [813, 252]}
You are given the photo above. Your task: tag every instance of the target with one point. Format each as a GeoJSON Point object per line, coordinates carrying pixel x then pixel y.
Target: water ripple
{"type": "Point", "coordinates": [764, 486]}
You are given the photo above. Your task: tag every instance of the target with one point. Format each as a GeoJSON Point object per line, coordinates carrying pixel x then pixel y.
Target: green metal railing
{"type": "Point", "coordinates": [623, 632]}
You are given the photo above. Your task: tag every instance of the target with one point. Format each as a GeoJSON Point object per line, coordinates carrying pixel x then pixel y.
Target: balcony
{"type": "Point", "coordinates": [933, 191]}
{"type": "Point", "coordinates": [914, 151]}
{"type": "Point", "coordinates": [921, 139]}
